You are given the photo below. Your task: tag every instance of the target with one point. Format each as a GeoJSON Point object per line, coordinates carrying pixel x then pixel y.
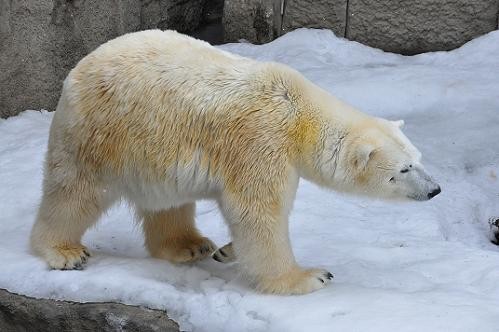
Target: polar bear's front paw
{"type": "Point", "coordinates": [67, 257]}
{"type": "Point", "coordinates": [225, 254]}
{"type": "Point", "coordinates": [297, 281]}
{"type": "Point", "coordinates": [186, 250]}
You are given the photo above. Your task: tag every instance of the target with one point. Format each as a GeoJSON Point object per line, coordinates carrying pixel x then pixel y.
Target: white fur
{"type": "Point", "coordinates": [163, 120]}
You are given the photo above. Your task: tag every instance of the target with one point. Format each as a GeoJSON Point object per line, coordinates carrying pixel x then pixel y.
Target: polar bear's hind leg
{"type": "Point", "coordinates": [172, 235]}
{"type": "Point", "coordinates": [69, 207]}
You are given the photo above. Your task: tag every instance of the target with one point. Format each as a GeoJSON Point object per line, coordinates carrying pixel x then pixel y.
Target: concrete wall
{"type": "Point", "coordinates": [400, 26]}
{"type": "Point", "coordinates": [41, 40]}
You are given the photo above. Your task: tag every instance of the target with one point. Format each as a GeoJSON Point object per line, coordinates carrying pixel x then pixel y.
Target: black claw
{"type": "Point", "coordinates": [84, 259]}
{"type": "Point", "coordinates": [215, 257]}
{"type": "Point", "coordinates": [322, 280]}
{"type": "Point", "coordinates": [86, 253]}
{"type": "Point", "coordinates": [329, 275]}
{"type": "Point", "coordinates": [222, 252]}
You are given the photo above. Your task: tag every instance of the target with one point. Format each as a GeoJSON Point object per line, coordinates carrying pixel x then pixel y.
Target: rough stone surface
{"type": "Point", "coordinates": [252, 20]}
{"type": "Point", "coordinates": [315, 14]}
{"type": "Point", "coordinates": [415, 26]}
{"type": "Point", "coordinates": [21, 313]}
{"type": "Point", "coordinates": [404, 26]}
{"type": "Point", "coordinates": [40, 41]}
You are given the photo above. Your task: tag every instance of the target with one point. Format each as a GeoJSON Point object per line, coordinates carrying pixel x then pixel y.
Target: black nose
{"type": "Point", "coordinates": [434, 193]}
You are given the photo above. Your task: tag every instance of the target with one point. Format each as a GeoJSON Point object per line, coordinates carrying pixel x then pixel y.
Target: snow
{"type": "Point", "coordinates": [398, 266]}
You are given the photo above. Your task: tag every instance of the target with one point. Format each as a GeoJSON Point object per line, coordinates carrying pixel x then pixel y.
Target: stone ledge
{"type": "Point", "coordinates": [22, 313]}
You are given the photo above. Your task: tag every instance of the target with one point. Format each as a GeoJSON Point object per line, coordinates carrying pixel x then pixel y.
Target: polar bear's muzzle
{"type": "Point", "coordinates": [421, 186]}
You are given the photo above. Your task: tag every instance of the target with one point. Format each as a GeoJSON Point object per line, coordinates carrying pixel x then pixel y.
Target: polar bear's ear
{"type": "Point", "coordinates": [398, 123]}
{"type": "Point", "coordinates": [363, 154]}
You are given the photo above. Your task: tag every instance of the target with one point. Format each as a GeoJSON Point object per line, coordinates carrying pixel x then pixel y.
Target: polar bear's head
{"type": "Point", "coordinates": [375, 158]}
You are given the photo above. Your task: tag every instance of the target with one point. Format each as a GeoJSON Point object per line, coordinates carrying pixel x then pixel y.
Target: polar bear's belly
{"type": "Point", "coordinates": [182, 185]}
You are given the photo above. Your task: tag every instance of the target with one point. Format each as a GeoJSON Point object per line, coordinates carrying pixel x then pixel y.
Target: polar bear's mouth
{"type": "Point", "coordinates": [418, 197]}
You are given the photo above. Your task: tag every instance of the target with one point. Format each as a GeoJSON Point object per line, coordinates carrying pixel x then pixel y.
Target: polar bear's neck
{"type": "Point", "coordinates": [323, 125]}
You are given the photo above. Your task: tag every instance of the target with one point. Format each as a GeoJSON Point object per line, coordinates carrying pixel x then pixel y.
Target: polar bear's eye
{"type": "Point", "coordinates": [392, 179]}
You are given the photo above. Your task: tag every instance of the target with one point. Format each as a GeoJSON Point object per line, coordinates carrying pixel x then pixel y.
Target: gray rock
{"type": "Point", "coordinates": [315, 14]}
{"type": "Point", "coordinates": [21, 313]}
{"type": "Point", "coordinates": [405, 26]}
{"type": "Point", "coordinates": [252, 20]}
{"type": "Point", "coordinates": [27, 77]}
{"type": "Point", "coordinates": [415, 26]}
{"type": "Point", "coordinates": [41, 40]}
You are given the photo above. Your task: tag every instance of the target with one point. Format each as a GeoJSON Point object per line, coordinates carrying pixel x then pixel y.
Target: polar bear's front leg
{"type": "Point", "coordinates": [261, 245]}
{"type": "Point", "coordinates": [225, 254]}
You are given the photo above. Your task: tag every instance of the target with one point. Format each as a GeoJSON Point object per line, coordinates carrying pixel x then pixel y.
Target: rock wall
{"type": "Point", "coordinates": [41, 40]}
{"type": "Point", "coordinates": [252, 20]}
{"type": "Point", "coordinates": [402, 26]}
{"type": "Point", "coordinates": [416, 26]}
{"type": "Point", "coordinates": [314, 14]}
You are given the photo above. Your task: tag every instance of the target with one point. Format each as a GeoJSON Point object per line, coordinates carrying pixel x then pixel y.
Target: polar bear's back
{"type": "Point", "coordinates": [165, 48]}
{"type": "Point", "coordinates": [152, 99]}
{"type": "Point", "coordinates": [154, 61]}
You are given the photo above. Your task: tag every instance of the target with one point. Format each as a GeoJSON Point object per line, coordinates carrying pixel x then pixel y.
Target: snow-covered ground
{"type": "Point", "coordinates": [398, 266]}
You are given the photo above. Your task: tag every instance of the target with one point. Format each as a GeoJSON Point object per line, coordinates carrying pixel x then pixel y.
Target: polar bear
{"type": "Point", "coordinates": [162, 120]}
